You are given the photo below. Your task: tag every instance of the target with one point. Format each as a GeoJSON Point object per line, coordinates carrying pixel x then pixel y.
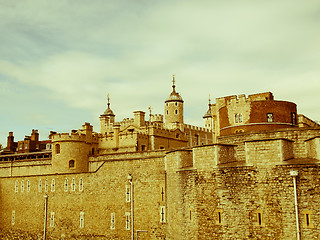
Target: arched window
{"type": "Point", "coordinates": [176, 111]}
{"type": "Point", "coordinates": [240, 118]}
{"type": "Point", "coordinates": [57, 148]}
{"type": "Point", "coordinates": [71, 164]}
{"type": "Point", "coordinates": [236, 118]}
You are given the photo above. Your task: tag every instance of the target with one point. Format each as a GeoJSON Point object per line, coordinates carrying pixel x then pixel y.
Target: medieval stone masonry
{"type": "Point", "coordinates": [252, 172]}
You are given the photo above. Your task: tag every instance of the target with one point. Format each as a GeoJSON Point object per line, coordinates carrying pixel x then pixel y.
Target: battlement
{"type": "Point", "coordinates": [72, 137]}
{"type": "Point", "coordinates": [191, 127]}
{"type": "Point", "coordinates": [157, 118]}
{"type": "Point", "coordinates": [221, 102]}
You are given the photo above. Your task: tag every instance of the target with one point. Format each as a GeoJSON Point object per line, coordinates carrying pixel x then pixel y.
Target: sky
{"type": "Point", "coordinates": [59, 59]}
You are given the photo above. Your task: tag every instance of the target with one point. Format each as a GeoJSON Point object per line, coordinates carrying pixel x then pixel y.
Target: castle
{"type": "Point", "coordinates": [252, 172]}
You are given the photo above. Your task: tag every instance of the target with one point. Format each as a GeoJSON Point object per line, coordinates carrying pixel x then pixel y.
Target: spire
{"type": "Point", "coordinates": [174, 96]}
{"type": "Point", "coordinates": [108, 97]}
{"type": "Point", "coordinates": [108, 112]}
{"type": "Point", "coordinates": [208, 113]}
{"type": "Point", "coordinates": [173, 83]}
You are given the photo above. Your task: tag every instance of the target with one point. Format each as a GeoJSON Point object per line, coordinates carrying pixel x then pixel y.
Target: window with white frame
{"type": "Point", "coordinates": [16, 186]}
{"type": "Point", "coordinates": [236, 118]}
{"type": "Point", "coordinates": [269, 117]}
{"type": "Point", "coordinates": [80, 185]}
{"type": "Point", "coordinates": [162, 214]}
{"type": "Point", "coordinates": [46, 185]}
{"type": "Point", "coordinates": [53, 185]}
{"type": "Point", "coordinates": [28, 186]}
{"type": "Point", "coordinates": [73, 185]}
{"type": "Point", "coordinates": [127, 215]}
{"type": "Point", "coordinates": [13, 217]}
{"type": "Point", "coordinates": [66, 185]}
{"type": "Point", "coordinates": [40, 186]}
{"type": "Point", "coordinates": [52, 219]}
{"type": "Point", "coordinates": [113, 221]}
{"type": "Point", "coordinates": [81, 219]}
{"type": "Point", "coordinates": [128, 194]}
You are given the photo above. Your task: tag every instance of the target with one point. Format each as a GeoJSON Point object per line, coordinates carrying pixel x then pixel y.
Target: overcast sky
{"type": "Point", "coordinates": [59, 59]}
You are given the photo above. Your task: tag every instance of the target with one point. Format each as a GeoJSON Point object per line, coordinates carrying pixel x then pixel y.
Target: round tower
{"type": "Point", "coordinates": [173, 108]}
{"type": "Point", "coordinates": [107, 118]}
{"type": "Point", "coordinates": [71, 152]}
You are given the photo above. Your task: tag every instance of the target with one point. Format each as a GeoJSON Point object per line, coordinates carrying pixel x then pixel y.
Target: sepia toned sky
{"type": "Point", "coordinates": [59, 59]}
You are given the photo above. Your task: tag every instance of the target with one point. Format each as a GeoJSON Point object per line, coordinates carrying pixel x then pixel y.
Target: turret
{"type": "Point", "coordinates": [70, 152]}
{"type": "Point", "coordinates": [208, 118]}
{"type": "Point", "coordinates": [173, 108]}
{"type": "Point", "coordinates": [10, 142]}
{"type": "Point", "coordinates": [107, 118]}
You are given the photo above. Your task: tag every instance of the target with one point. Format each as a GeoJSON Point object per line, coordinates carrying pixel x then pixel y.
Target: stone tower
{"type": "Point", "coordinates": [173, 109]}
{"type": "Point", "coordinates": [208, 118]}
{"type": "Point", "coordinates": [70, 152]}
{"type": "Point", "coordinates": [107, 118]}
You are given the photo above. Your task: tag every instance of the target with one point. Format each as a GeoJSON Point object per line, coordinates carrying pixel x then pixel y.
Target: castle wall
{"type": "Point", "coordinates": [241, 202]}
{"type": "Point", "coordinates": [100, 195]}
{"type": "Point", "coordinates": [298, 135]}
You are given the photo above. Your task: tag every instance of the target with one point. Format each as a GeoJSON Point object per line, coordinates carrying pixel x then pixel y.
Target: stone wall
{"type": "Point", "coordinates": [97, 195]}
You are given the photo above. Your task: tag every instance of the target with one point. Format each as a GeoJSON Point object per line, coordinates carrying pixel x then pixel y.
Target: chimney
{"type": "Point", "coordinates": [10, 142]}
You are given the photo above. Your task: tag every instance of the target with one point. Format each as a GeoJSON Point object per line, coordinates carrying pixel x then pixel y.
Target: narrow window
{"type": "Point", "coordinates": [81, 219]}
{"type": "Point", "coordinates": [236, 118]}
{"type": "Point", "coordinates": [143, 147]}
{"type": "Point", "coordinates": [269, 117]}
{"type": "Point", "coordinates": [128, 194]}
{"type": "Point", "coordinates": [80, 185]}
{"type": "Point", "coordinates": [127, 214]}
{"type": "Point", "coordinates": [46, 185]}
{"type": "Point", "coordinates": [73, 186]}
{"type": "Point", "coordinates": [57, 148]}
{"type": "Point", "coordinates": [176, 104]}
{"type": "Point", "coordinates": [162, 214]}
{"type": "Point", "coordinates": [71, 164]}
{"type": "Point", "coordinates": [13, 217]}
{"type": "Point", "coordinates": [26, 146]}
{"type": "Point", "coordinates": [176, 112]}
{"type": "Point", "coordinates": [162, 191]}
{"type": "Point", "coordinates": [219, 220]}
{"type": "Point", "coordinates": [22, 186]}
{"type": "Point", "coordinates": [66, 185]}
{"type": "Point", "coordinates": [113, 221]}
{"type": "Point", "coordinates": [92, 151]}
{"type": "Point", "coordinates": [20, 146]}
{"type": "Point", "coordinates": [307, 219]}
{"type": "Point", "coordinates": [259, 218]}
{"type": "Point", "coordinates": [40, 186]}
{"type": "Point", "coordinates": [28, 186]}
{"type": "Point", "coordinates": [190, 215]}
{"type": "Point", "coordinates": [53, 185]}
{"type": "Point", "coordinates": [52, 219]}
{"type": "Point", "coordinates": [307, 215]}
{"type": "Point", "coordinates": [16, 186]}
{"type": "Point", "coordinates": [167, 112]}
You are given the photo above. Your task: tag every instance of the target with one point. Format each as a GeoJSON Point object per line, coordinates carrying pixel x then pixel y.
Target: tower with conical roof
{"type": "Point", "coordinates": [208, 118]}
{"type": "Point", "coordinates": [173, 108]}
{"type": "Point", "coordinates": [107, 118]}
